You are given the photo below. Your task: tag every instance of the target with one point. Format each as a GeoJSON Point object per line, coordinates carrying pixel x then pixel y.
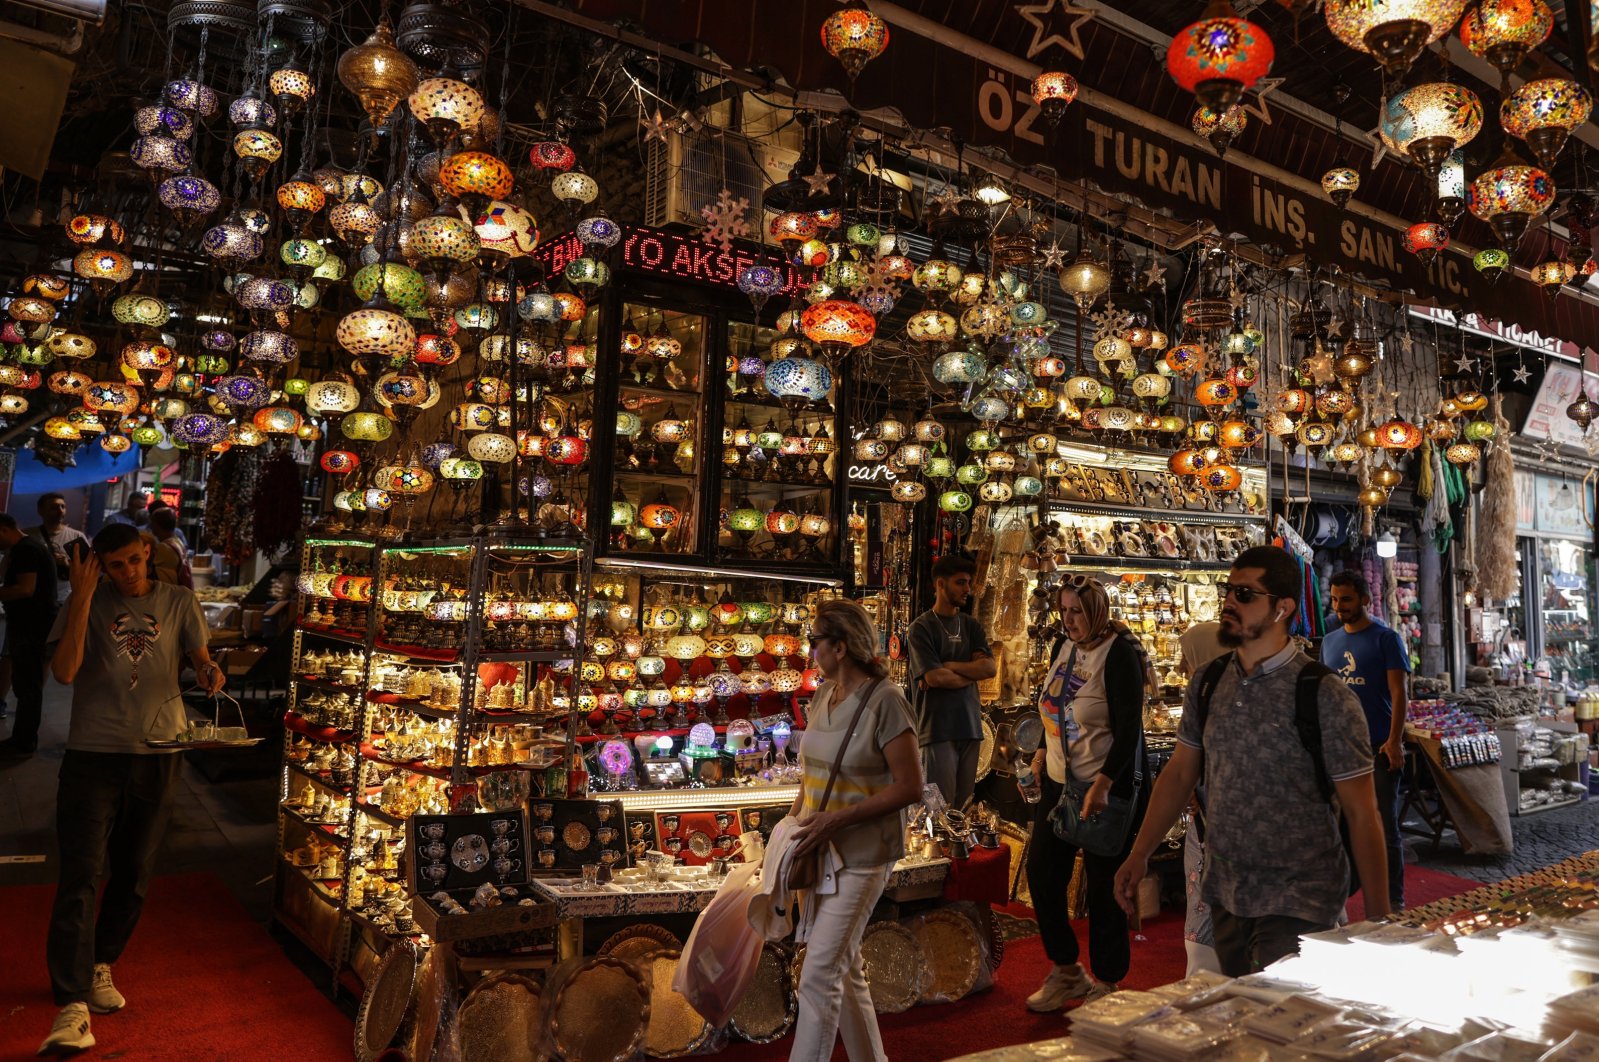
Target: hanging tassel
{"type": "Point", "coordinates": [1497, 572]}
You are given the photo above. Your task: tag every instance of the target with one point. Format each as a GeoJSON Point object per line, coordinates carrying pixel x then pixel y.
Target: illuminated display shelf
{"type": "Point", "coordinates": [702, 799]}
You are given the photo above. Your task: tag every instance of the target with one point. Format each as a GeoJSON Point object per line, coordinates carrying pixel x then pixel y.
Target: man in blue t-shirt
{"type": "Point", "coordinates": [1371, 658]}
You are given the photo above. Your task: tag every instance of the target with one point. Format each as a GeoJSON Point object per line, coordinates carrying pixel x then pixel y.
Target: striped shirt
{"type": "Point", "coordinates": [863, 773]}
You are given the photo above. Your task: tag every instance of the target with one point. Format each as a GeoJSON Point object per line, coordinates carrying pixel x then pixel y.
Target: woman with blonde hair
{"type": "Point", "coordinates": [1092, 706]}
{"type": "Point", "coordinates": [862, 768]}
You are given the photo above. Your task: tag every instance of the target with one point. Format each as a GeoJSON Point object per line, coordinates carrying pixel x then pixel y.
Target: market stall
{"type": "Point", "coordinates": [1503, 969]}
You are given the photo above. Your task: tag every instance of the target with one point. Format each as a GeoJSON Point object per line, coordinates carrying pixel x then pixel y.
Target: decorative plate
{"type": "Point", "coordinates": [700, 844]}
{"type": "Point", "coordinates": [767, 1011]}
{"type": "Point", "coordinates": [499, 1020]}
{"type": "Point", "coordinates": [1132, 544]}
{"type": "Point", "coordinates": [576, 836]}
{"type": "Point", "coordinates": [387, 998]}
{"type": "Point", "coordinates": [954, 955]}
{"type": "Point", "coordinates": [675, 1027]}
{"type": "Point", "coordinates": [1094, 543]}
{"type": "Point", "coordinates": [601, 1012]}
{"type": "Point", "coordinates": [470, 853]}
{"type": "Point", "coordinates": [896, 969]}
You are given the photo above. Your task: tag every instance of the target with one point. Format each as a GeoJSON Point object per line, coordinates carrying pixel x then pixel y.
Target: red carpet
{"type": "Point", "coordinates": [204, 983]}
{"type": "Point", "coordinates": [999, 1016]}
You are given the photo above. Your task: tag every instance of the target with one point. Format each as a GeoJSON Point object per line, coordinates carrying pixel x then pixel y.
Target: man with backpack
{"type": "Point", "coordinates": [1276, 737]}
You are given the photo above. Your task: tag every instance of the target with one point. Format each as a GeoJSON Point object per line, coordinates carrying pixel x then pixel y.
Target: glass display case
{"type": "Point", "coordinates": [659, 429]}
{"type": "Point", "coordinates": [1564, 596]}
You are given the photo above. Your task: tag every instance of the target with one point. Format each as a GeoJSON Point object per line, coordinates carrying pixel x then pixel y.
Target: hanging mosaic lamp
{"type": "Point", "coordinates": [1340, 183]}
{"type": "Point", "coordinates": [251, 112]}
{"type": "Point", "coordinates": [1504, 31]}
{"type": "Point", "coordinates": [1491, 262]}
{"type": "Point", "coordinates": [854, 36]}
{"type": "Point", "coordinates": [445, 106]}
{"type": "Point", "coordinates": [1392, 31]}
{"type": "Point", "coordinates": [378, 73]}
{"type": "Point", "coordinates": [838, 325]}
{"type": "Point", "coordinates": [293, 88]}
{"type": "Point", "coordinates": [1451, 202]}
{"type": "Point", "coordinates": [1544, 112]}
{"type": "Point", "coordinates": [1054, 91]}
{"type": "Point", "coordinates": [1509, 196]}
{"type": "Point", "coordinates": [257, 150]}
{"type": "Point", "coordinates": [475, 177]}
{"type": "Point", "coordinates": [1427, 122]}
{"type": "Point", "coordinates": [1221, 128]}
{"type": "Point", "coordinates": [1425, 239]}
{"type": "Point", "coordinates": [103, 269]}
{"type": "Point", "coordinates": [1551, 275]}
{"type": "Point", "coordinates": [190, 198]}
{"type": "Point", "coordinates": [1219, 57]}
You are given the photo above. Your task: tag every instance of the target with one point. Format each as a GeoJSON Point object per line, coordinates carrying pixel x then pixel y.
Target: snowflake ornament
{"type": "Point", "coordinates": [1111, 321]}
{"type": "Point", "coordinates": [725, 220]}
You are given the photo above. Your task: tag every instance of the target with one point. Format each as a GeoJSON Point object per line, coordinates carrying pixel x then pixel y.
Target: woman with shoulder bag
{"type": "Point", "coordinates": [862, 768]}
{"type": "Point", "coordinates": [1091, 773]}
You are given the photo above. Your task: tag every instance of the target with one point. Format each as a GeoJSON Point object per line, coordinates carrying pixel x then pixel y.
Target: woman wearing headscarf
{"type": "Point", "coordinates": [1092, 706]}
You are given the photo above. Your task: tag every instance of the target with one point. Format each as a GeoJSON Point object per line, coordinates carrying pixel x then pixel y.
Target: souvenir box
{"type": "Point", "coordinates": [459, 854]}
{"type": "Point", "coordinates": [565, 835]}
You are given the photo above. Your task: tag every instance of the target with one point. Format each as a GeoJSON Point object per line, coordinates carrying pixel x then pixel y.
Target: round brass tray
{"type": "Point", "coordinates": [499, 1019]}
{"type": "Point", "coordinates": [895, 966]}
{"type": "Point", "coordinates": [427, 1009]}
{"type": "Point", "coordinates": [675, 1027]}
{"type": "Point", "coordinates": [985, 751]}
{"type": "Point", "coordinates": [637, 942]}
{"type": "Point", "coordinates": [954, 955]}
{"type": "Point", "coordinates": [767, 1011]}
{"type": "Point", "coordinates": [385, 1002]}
{"type": "Point", "coordinates": [601, 1012]}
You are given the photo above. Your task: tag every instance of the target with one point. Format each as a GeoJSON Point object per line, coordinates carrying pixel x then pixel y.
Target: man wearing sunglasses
{"type": "Point", "coordinates": [1277, 868]}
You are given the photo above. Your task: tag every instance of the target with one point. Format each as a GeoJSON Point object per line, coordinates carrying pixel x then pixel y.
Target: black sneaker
{"type": "Point", "coordinates": [15, 750]}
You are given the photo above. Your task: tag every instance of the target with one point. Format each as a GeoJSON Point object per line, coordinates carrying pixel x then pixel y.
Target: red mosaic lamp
{"type": "Point", "coordinates": [1425, 239]}
{"type": "Point", "coordinates": [1219, 57]}
{"type": "Point", "coordinates": [854, 36]}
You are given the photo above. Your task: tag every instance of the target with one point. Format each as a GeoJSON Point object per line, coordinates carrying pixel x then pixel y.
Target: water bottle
{"type": "Point", "coordinates": [1028, 783]}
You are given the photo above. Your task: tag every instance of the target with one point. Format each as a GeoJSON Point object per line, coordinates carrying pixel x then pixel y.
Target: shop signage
{"type": "Point", "coordinates": [984, 103]}
{"type": "Point", "coordinates": [1500, 331]}
{"type": "Point", "coordinates": [1547, 418]}
{"type": "Point", "coordinates": [667, 254]}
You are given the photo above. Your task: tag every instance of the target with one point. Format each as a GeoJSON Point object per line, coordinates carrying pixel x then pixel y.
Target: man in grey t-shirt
{"type": "Point", "coordinates": [948, 657]}
{"type": "Point", "coordinates": [1276, 865]}
{"type": "Point", "coordinates": [120, 644]}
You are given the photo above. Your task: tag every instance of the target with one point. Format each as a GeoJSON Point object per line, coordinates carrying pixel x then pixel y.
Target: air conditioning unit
{"type": "Point", "coordinates": [686, 171]}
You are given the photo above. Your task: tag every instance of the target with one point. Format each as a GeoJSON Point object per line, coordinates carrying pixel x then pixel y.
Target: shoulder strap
{"type": "Point", "coordinates": [1307, 720]}
{"type": "Point", "coordinates": [1208, 680]}
{"type": "Point", "coordinates": [838, 760]}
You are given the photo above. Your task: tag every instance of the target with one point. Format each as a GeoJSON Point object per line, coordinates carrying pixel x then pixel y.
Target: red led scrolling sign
{"type": "Point", "coordinates": [644, 250]}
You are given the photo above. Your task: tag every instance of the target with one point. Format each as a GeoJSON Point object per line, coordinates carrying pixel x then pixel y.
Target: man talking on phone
{"type": "Point", "coordinates": [120, 643]}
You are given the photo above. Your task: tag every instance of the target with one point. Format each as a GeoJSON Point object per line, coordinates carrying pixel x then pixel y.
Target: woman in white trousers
{"type": "Point", "coordinates": [862, 768]}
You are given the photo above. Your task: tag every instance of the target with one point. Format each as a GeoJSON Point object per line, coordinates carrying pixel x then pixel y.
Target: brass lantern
{"type": "Point", "coordinates": [378, 73]}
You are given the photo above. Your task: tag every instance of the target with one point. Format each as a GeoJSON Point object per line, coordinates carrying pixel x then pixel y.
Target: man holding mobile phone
{"type": "Point", "coordinates": [120, 643]}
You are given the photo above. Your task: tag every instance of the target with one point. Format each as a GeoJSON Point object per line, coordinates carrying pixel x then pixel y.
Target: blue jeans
{"type": "Point", "coordinates": [1387, 782]}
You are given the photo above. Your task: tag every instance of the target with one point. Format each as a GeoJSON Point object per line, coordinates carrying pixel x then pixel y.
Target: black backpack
{"type": "Point", "coordinates": [1307, 710]}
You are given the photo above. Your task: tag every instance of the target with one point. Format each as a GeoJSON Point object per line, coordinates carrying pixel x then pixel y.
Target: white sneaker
{"type": "Point", "coordinates": [1100, 990]}
{"type": "Point", "coordinates": [1064, 983]}
{"type": "Point", "coordinates": [70, 1033]}
{"type": "Point", "coordinates": [103, 996]}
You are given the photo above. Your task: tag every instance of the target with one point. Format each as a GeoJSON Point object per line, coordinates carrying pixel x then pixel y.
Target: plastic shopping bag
{"type": "Point", "coordinates": [721, 954]}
